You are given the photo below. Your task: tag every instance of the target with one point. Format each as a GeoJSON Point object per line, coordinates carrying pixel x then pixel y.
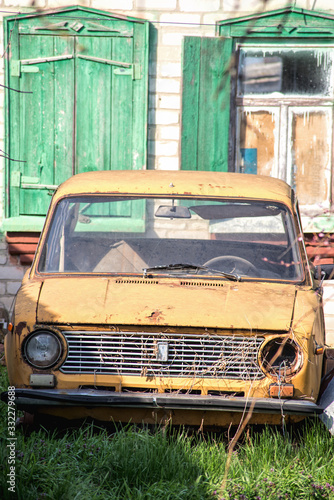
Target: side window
{"type": "Point", "coordinates": [80, 80]}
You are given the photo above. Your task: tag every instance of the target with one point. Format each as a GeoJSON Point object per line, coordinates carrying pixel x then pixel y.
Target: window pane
{"type": "Point", "coordinates": [298, 71]}
{"type": "Point", "coordinates": [310, 154]}
{"type": "Point", "coordinates": [257, 142]}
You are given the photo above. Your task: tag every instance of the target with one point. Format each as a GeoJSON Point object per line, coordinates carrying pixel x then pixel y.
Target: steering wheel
{"type": "Point", "coordinates": [242, 265]}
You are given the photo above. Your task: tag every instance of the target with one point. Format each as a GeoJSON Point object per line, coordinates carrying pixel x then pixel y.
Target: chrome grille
{"type": "Point", "coordinates": [163, 355]}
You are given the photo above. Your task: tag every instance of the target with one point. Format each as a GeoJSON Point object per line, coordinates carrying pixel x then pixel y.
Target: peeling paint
{"type": "Point", "coordinates": [20, 327]}
{"type": "Point", "coordinates": [155, 316]}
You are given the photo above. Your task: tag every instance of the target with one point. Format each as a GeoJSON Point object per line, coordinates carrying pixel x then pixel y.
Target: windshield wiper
{"type": "Point", "coordinates": [184, 267]}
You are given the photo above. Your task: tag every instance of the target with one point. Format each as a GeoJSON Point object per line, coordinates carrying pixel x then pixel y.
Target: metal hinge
{"type": "Point", "coordinates": [105, 61]}
{"type": "Point", "coordinates": [122, 68]}
{"type": "Point", "coordinates": [28, 65]}
{"type": "Point", "coordinates": [134, 71]}
{"type": "Point", "coordinates": [22, 181]}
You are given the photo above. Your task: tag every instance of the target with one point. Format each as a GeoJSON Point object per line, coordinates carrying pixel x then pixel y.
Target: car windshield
{"type": "Point", "coordinates": [229, 239]}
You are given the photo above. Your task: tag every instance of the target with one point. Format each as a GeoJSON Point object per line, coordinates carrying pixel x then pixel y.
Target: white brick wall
{"type": "Point", "coordinates": [169, 5]}
{"type": "Point", "coordinates": [165, 85]}
{"type": "Point", "coordinates": [174, 38]}
{"type": "Point", "coordinates": [169, 69]}
{"type": "Point", "coordinates": [329, 311]}
{"type": "Point", "coordinates": [167, 163]}
{"type": "Point", "coordinates": [110, 4]}
{"type": "Point", "coordinates": [193, 20]}
{"type": "Point", "coordinates": [243, 5]}
{"type": "Point", "coordinates": [10, 276]}
{"type": "Point", "coordinates": [323, 5]}
{"type": "Point", "coordinates": [199, 5]}
{"type": "Point", "coordinates": [164, 117]}
{"type": "Point", "coordinates": [168, 53]}
{"type": "Point", "coordinates": [169, 101]}
{"type": "Point", "coordinates": [170, 133]}
{"type": "Point", "coordinates": [172, 20]}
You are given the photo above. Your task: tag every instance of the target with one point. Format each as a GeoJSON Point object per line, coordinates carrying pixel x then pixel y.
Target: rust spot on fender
{"type": "Point", "coordinates": [155, 316]}
{"type": "Point", "coordinates": [20, 327]}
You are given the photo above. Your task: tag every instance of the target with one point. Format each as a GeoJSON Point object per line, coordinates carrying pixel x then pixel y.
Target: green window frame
{"type": "Point", "coordinates": [210, 77]}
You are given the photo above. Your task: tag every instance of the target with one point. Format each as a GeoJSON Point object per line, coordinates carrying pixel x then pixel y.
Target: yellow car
{"type": "Point", "coordinates": [182, 296]}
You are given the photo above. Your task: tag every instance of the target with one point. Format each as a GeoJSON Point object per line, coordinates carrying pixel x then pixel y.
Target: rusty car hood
{"type": "Point", "coordinates": [173, 302]}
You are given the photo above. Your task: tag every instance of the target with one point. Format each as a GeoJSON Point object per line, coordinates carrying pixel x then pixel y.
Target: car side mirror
{"type": "Point", "coordinates": [324, 272]}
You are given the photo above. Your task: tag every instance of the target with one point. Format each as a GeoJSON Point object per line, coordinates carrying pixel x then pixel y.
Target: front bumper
{"type": "Point", "coordinates": [33, 399]}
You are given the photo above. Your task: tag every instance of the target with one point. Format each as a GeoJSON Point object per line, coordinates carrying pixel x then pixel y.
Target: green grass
{"type": "Point", "coordinates": [140, 464]}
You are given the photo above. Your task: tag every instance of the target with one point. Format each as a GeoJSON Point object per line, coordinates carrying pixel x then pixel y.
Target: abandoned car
{"type": "Point", "coordinates": [169, 295]}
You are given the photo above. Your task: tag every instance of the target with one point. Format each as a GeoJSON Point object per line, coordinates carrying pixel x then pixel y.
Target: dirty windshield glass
{"type": "Point", "coordinates": [168, 237]}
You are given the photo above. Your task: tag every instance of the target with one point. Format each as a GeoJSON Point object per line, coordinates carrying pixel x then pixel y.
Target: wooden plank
{"type": "Point", "coordinates": [226, 66]}
{"type": "Point", "coordinates": [44, 134]}
{"type": "Point", "coordinates": [190, 102]}
{"type": "Point", "coordinates": [209, 84]}
{"type": "Point", "coordinates": [121, 109]}
{"type": "Point", "coordinates": [93, 85]}
{"type": "Point", "coordinates": [37, 123]}
{"type": "Point", "coordinates": [310, 162]}
{"type": "Point", "coordinates": [13, 108]}
{"type": "Point", "coordinates": [205, 104]}
{"type": "Point", "coordinates": [63, 164]}
{"type": "Point", "coordinates": [24, 223]}
{"type": "Point", "coordinates": [140, 97]}
{"type": "Point", "coordinates": [214, 105]}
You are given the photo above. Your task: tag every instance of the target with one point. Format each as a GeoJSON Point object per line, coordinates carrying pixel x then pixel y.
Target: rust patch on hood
{"type": "Point", "coordinates": [155, 316]}
{"type": "Point", "coordinates": [20, 327]}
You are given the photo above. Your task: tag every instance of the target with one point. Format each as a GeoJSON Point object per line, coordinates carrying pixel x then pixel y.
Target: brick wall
{"type": "Point", "coordinates": [171, 20]}
{"type": "Point", "coordinates": [11, 274]}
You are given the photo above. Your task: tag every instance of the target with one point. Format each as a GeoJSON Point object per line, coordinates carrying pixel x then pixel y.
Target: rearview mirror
{"type": "Point", "coordinates": [173, 212]}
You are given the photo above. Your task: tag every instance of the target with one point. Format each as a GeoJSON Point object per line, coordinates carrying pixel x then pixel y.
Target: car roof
{"type": "Point", "coordinates": [170, 182]}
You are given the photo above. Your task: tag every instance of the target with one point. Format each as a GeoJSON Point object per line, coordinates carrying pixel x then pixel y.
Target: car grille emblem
{"type": "Point", "coordinates": [162, 351]}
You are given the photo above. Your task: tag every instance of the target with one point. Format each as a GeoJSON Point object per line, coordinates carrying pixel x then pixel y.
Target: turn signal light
{"type": "Point", "coordinates": [281, 391]}
{"type": "Point", "coordinates": [319, 349]}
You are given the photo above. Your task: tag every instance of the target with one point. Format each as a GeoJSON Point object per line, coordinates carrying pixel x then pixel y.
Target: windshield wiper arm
{"type": "Point", "coordinates": [173, 267]}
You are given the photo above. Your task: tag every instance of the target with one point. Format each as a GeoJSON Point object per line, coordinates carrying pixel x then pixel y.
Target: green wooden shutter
{"type": "Point", "coordinates": [205, 103]}
{"type": "Point", "coordinates": [105, 63]}
{"type": "Point", "coordinates": [41, 129]}
{"type": "Point", "coordinates": [82, 105]}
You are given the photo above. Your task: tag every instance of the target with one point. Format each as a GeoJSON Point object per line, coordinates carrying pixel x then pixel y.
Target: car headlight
{"type": "Point", "coordinates": [42, 349]}
{"type": "Point", "coordinates": [281, 357]}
